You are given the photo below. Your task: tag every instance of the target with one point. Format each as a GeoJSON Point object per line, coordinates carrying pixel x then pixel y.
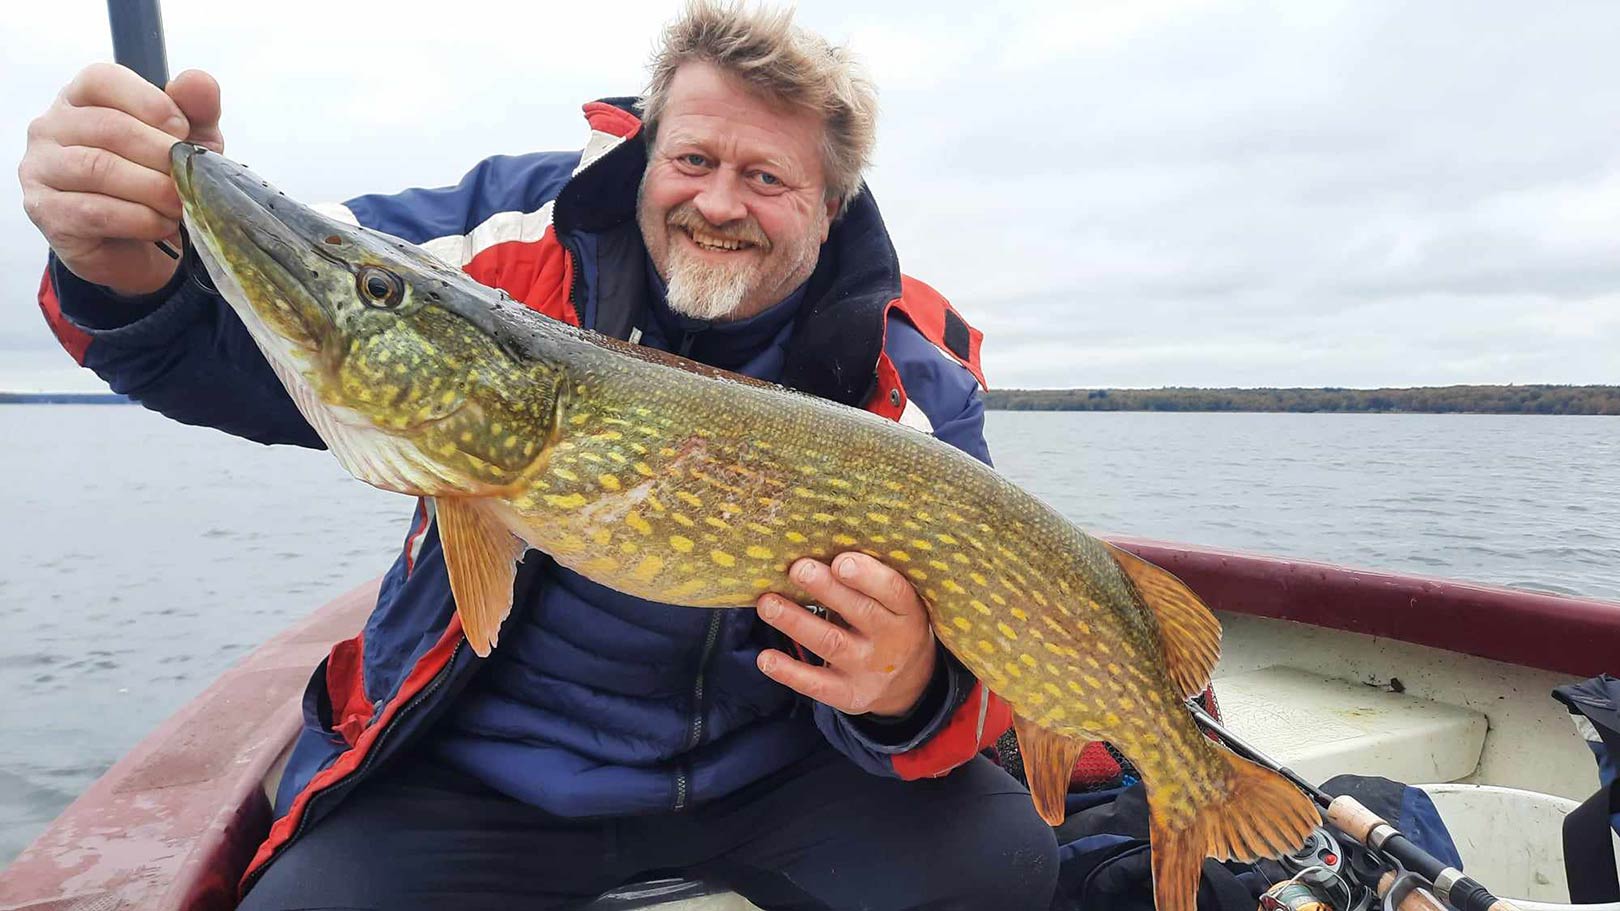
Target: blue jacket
{"type": "Point", "coordinates": [596, 703]}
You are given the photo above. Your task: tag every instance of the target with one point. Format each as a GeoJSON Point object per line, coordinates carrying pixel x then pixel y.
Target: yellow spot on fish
{"type": "Point", "coordinates": [1028, 660]}
{"type": "Point", "coordinates": [921, 544]}
{"type": "Point", "coordinates": [608, 482]}
{"type": "Point", "coordinates": [717, 522]}
{"type": "Point", "coordinates": [602, 536]}
{"type": "Point", "coordinates": [1114, 669]}
{"type": "Point", "coordinates": [981, 607]}
{"type": "Point", "coordinates": [822, 517]}
{"type": "Point", "coordinates": [986, 646]}
{"type": "Point", "coordinates": [946, 539]}
{"type": "Point", "coordinates": [682, 520]}
{"type": "Point", "coordinates": [628, 547]}
{"type": "Point", "coordinates": [497, 428]}
{"type": "Point", "coordinates": [839, 483]}
{"type": "Point", "coordinates": [565, 474]}
{"type": "Point", "coordinates": [978, 579]}
{"type": "Point", "coordinates": [449, 398]}
{"type": "Point", "coordinates": [900, 555]}
{"type": "Point", "coordinates": [998, 599]}
{"type": "Point", "coordinates": [878, 517]}
{"type": "Point", "coordinates": [961, 558]}
{"type": "Point", "coordinates": [688, 499]}
{"type": "Point", "coordinates": [680, 543]}
{"type": "Point", "coordinates": [844, 540]}
{"type": "Point", "coordinates": [643, 469]}
{"type": "Point", "coordinates": [1076, 688]}
{"type": "Point", "coordinates": [572, 501]}
{"type": "Point", "coordinates": [722, 558]}
{"type": "Point", "coordinates": [952, 587]}
{"type": "Point", "coordinates": [759, 553]}
{"type": "Point", "coordinates": [1007, 631]}
{"type": "Point", "coordinates": [609, 435]}
{"type": "Point", "coordinates": [940, 565]}
{"type": "Point", "coordinates": [1019, 613]}
{"type": "Point", "coordinates": [917, 574]}
{"type": "Point", "coordinates": [634, 520]}
{"type": "Point", "coordinates": [579, 419]}
{"type": "Point", "coordinates": [795, 537]}
{"type": "Point", "coordinates": [961, 623]}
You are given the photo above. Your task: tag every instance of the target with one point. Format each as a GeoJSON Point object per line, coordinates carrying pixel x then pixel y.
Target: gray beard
{"type": "Point", "coordinates": [701, 291]}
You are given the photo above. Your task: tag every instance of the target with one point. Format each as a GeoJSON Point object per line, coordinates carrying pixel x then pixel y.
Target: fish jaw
{"type": "Point", "coordinates": [386, 352]}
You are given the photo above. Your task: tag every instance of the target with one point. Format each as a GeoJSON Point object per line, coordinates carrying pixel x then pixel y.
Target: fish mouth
{"type": "Point", "coordinates": [242, 225]}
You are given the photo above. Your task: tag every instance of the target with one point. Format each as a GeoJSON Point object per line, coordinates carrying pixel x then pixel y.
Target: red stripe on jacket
{"type": "Point", "coordinates": [72, 338]}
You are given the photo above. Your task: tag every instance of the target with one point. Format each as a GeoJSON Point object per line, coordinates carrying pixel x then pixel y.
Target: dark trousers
{"type": "Point", "coordinates": [821, 834]}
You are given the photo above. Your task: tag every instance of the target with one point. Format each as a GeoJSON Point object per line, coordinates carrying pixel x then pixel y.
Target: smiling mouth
{"type": "Point", "coordinates": [714, 243]}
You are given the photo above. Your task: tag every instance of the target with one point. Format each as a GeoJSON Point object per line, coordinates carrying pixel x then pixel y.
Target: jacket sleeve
{"type": "Point", "coordinates": [184, 353]}
{"type": "Point", "coordinates": [956, 716]}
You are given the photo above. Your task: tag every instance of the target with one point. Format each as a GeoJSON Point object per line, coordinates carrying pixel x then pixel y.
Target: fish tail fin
{"type": "Point", "coordinates": [1260, 815]}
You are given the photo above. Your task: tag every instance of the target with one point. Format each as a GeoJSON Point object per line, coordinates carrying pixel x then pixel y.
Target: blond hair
{"type": "Point", "coordinates": [782, 63]}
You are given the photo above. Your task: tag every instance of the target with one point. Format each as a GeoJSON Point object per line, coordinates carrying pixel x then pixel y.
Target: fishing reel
{"type": "Point", "coordinates": [1323, 879]}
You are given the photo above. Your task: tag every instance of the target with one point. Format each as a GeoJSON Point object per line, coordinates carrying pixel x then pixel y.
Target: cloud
{"type": "Point", "coordinates": [1139, 194]}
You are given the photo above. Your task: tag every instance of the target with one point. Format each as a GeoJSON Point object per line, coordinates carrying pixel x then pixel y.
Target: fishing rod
{"type": "Point", "coordinates": [1372, 832]}
{"type": "Point", "coordinates": [137, 36]}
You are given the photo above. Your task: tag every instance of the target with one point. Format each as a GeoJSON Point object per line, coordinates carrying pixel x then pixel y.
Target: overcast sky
{"type": "Point", "coordinates": [1120, 194]}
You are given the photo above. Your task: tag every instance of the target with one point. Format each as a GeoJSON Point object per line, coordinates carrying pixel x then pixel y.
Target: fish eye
{"type": "Point", "coordinates": [379, 288]}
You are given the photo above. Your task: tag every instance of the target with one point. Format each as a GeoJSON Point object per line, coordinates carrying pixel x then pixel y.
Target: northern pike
{"type": "Point", "coordinates": [680, 483]}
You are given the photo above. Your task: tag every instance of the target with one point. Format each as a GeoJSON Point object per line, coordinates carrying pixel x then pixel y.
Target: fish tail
{"type": "Point", "coordinates": [1260, 814]}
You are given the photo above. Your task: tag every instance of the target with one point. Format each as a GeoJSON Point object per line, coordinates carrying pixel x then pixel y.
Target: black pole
{"type": "Point", "coordinates": [137, 33]}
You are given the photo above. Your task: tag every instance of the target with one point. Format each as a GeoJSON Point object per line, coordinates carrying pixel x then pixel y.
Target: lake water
{"type": "Point", "coordinates": [144, 557]}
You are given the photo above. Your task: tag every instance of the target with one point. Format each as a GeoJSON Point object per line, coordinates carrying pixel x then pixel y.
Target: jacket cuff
{"type": "Point", "coordinates": [947, 688]}
{"type": "Point", "coordinates": [140, 320]}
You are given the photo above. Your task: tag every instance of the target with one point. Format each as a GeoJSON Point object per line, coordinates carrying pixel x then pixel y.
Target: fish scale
{"type": "Point", "coordinates": [683, 484]}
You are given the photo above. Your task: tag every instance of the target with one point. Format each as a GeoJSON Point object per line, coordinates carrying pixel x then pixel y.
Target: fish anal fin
{"type": "Point", "coordinates": [1188, 630]}
{"type": "Point", "coordinates": [1049, 760]}
{"type": "Point", "coordinates": [481, 556]}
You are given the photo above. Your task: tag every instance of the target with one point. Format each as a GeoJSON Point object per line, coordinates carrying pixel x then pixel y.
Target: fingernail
{"type": "Point", "coordinates": [846, 568]}
{"type": "Point", "coordinates": [768, 608]}
{"type": "Point", "coordinates": [766, 662]}
{"type": "Point", "coordinates": [177, 125]}
{"type": "Point", "coordinates": [805, 570]}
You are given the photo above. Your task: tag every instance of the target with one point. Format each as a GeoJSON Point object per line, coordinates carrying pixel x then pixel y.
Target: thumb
{"type": "Point", "coordinates": [197, 95]}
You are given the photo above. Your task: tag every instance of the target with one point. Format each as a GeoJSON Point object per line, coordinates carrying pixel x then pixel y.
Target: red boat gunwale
{"type": "Point", "coordinates": [172, 824]}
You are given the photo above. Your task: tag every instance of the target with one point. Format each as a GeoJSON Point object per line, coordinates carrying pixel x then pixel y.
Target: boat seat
{"type": "Point", "coordinates": [1321, 727]}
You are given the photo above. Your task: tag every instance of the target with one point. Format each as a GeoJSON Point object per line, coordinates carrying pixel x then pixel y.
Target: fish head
{"type": "Point", "coordinates": [400, 363]}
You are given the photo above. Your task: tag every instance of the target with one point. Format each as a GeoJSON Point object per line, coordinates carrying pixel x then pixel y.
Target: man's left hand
{"type": "Point", "coordinates": [879, 661]}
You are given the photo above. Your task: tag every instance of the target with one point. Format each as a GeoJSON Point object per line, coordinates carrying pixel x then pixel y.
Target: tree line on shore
{"type": "Point", "coordinates": [1542, 399]}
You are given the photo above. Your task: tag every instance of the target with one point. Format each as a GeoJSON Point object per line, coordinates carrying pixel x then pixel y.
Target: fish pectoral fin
{"type": "Point", "coordinates": [1049, 760]}
{"type": "Point", "coordinates": [1188, 630]}
{"type": "Point", "coordinates": [481, 556]}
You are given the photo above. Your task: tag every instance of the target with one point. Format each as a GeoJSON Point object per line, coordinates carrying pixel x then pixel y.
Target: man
{"type": "Point", "coordinates": [607, 736]}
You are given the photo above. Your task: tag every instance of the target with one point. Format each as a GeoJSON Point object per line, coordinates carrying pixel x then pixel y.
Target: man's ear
{"type": "Point", "coordinates": [826, 224]}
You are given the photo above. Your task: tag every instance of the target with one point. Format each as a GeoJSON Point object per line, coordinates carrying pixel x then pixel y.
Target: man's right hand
{"type": "Point", "coordinates": [95, 176]}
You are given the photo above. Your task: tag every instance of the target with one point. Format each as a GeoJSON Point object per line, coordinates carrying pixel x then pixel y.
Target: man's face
{"type": "Point", "coordinates": [733, 205]}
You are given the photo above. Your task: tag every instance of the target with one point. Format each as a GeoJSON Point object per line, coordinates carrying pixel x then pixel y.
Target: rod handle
{"type": "Point", "coordinates": [1352, 818]}
{"type": "Point", "coordinates": [1503, 904]}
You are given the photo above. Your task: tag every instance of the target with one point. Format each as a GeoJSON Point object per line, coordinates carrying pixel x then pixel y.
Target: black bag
{"type": "Point", "coordinates": [1589, 861]}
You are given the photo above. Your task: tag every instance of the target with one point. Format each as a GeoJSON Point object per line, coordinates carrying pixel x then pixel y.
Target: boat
{"type": "Point", "coordinates": [1327, 668]}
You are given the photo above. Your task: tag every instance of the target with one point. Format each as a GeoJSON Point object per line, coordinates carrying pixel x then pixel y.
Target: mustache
{"type": "Point", "coordinates": [743, 230]}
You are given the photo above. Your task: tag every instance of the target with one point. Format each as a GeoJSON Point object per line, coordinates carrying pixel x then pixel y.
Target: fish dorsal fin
{"type": "Point", "coordinates": [1189, 632]}
{"type": "Point", "coordinates": [481, 556]}
{"type": "Point", "coordinates": [1048, 766]}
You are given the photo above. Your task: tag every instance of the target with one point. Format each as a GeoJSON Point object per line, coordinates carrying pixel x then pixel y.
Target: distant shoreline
{"type": "Point", "coordinates": [64, 398]}
{"type": "Point", "coordinates": [1590, 400]}
{"type": "Point", "coordinates": [1534, 399]}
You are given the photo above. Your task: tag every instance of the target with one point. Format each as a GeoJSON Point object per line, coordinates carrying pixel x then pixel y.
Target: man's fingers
{"type": "Point", "coordinates": [822, 684]}
{"type": "Point", "coordinates": [878, 581]}
{"type": "Point", "coordinates": [113, 130]}
{"type": "Point", "coordinates": [197, 95]}
{"type": "Point", "coordinates": [90, 215]}
{"type": "Point", "coordinates": [86, 169]}
{"type": "Point", "coordinates": [822, 584]}
{"type": "Point", "coordinates": [826, 639]}
{"type": "Point", "coordinates": [108, 85]}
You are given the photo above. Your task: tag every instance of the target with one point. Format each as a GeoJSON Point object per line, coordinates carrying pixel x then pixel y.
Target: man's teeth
{"type": "Point", "coordinates": [714, 243]}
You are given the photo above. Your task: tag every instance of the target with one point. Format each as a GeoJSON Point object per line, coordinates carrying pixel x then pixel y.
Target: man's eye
{"type": "Point", "coordinates": [767, 178]}
{"type": "Point", "coordinates": [694, 159]}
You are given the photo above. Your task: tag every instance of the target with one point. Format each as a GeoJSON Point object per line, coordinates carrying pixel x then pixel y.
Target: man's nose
{"type": "Point", "coordinates": [720, 201]}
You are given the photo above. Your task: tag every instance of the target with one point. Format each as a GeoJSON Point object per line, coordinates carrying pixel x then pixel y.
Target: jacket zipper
{"type": "Point", "coordinates": [376, 747]}
{"type": "Point", "coordinates": [695, 732]}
